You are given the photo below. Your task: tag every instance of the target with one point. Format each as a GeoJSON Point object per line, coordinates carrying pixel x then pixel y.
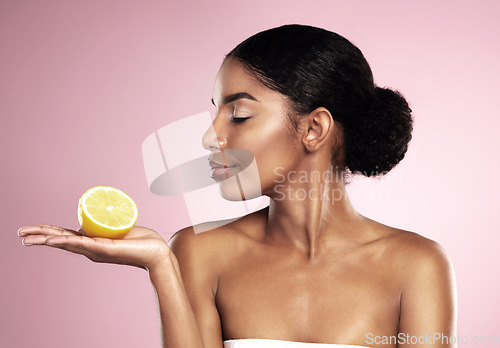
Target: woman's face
{"type": "Point", "coordinates": [251, 135]}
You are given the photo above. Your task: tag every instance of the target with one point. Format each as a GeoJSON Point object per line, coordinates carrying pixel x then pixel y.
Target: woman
{"type": "Point", "coordinates": [309, 268]}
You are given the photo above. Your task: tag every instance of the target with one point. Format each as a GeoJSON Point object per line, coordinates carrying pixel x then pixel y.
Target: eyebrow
{"type": "Point", "coordinates": [233, 97]}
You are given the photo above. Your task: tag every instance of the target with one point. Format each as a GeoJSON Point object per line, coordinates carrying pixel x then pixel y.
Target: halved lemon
{"type": "Point", "coordinates": [107, 212]}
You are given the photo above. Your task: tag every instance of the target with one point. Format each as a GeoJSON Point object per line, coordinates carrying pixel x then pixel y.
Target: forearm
{"type": "Point", "coordinates": [178, 323]}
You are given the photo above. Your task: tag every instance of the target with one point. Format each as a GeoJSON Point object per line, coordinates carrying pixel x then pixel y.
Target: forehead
{"type": "Point", "coordinates": [234, 78]}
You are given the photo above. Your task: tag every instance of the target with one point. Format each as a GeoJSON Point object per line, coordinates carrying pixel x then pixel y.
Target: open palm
{"type": "Point", "coordinates": [141, 247]}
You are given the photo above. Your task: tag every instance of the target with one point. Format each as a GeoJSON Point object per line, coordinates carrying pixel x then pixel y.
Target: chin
{"type": "Point", "coordinates": [242, 186]}
{"type": "Point", "coordinates": [230, 190]}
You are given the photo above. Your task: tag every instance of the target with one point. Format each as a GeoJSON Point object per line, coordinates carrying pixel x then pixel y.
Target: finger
{"type": "Point", "coordinates": [96, 257]}
{"type": "Point", "coordinates": [42, 228]}
{"type": "Point", "coordinates": [35, 239]}
{"type": "Point", "coordinates": [38, 239]}
{"type": "Point", "coordinates": [70, 240]}
{"type": "Point", "coordinates": [46, 230]}
{"type": "Point", "coordinates": [72, 243]}
{"type": "Point", "coordinates": [96, 249]}
{"type": "Point", "coordinates": [99, 246]}
{"type": "Point", "coordinates": [75, 248]}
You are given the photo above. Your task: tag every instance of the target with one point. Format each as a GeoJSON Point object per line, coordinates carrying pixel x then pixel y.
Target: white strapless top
{"type": "Point", "coordinates": [267, 343]}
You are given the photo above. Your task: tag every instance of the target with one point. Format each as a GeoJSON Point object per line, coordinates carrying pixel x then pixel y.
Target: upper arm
{"type": "Point", "coordinates": [198, 274]}
{"type": "Point", "coordinates": [428, 299]}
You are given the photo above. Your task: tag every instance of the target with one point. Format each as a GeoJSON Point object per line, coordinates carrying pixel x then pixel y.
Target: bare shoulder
{"type": "Point", "coordinates": [423, 273]}
{"type": "Point", "coordinates": [413, 254]}
{"type": "Point", "coordinates": [213, 243]}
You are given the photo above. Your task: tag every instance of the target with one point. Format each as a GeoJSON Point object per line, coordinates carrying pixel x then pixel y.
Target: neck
{"type": "Point", "coordinates": [310, 211]}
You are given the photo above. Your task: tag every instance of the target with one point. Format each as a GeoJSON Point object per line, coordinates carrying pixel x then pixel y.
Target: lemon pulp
{"type": "Point", "coordinates": [105, 211]}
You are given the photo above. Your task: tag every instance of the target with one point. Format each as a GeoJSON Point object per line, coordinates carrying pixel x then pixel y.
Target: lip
{"type": "Point", "coordinates": [220, 171]}
{"type": "Point", "coordinates": [214, 164]}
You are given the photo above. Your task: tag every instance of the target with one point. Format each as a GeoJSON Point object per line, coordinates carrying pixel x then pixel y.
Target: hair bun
{"type": "Point", "coordinates": [380, 140]}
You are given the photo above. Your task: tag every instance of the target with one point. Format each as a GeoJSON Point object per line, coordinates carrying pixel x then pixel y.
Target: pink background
{"type": "Point", "coordinates": [83, 83]}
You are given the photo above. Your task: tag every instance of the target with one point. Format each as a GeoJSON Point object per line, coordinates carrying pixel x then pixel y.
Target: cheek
{"type": "Point", "coordinates": [275, 151]}
{"type": "Point", "coordinates": [268, 151]}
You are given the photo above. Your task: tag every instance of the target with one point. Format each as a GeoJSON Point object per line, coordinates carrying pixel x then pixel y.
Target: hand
{"type": "Point", "coordinates": [141, 247]}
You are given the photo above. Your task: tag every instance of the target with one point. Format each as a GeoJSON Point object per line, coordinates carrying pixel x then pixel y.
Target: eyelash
{"type": "Point", "coordinates": [239, 119]}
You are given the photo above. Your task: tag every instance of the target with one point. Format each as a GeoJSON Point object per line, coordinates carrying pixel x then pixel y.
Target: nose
{"type": "Point", "coordinates": [212, 141]}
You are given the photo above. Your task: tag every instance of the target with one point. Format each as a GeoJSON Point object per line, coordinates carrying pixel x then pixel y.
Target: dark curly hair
{"type": "Point", "coordinates": [318, 68]}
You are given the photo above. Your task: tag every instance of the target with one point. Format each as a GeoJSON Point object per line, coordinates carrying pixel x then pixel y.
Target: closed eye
{"type": "Point", "coordinates": [239, 119]}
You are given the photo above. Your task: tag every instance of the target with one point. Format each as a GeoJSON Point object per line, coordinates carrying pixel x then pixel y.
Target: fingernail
{"type": "Point", "coordinates": [19, 233]}
{"type": "Point", "coordinates": [26, 244]}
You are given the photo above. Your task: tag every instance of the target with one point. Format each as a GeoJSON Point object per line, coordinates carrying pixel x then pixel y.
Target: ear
{"type": "Point", "coordinates": [316, 127]}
